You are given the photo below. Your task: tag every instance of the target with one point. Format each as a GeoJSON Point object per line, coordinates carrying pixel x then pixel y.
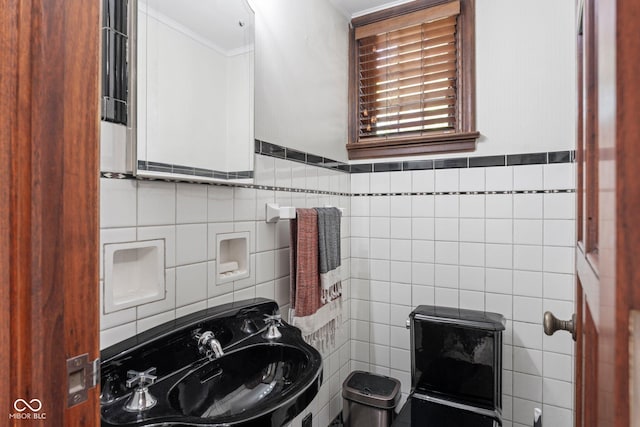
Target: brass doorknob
{"type": "Point", "coordinates": [552, 324]}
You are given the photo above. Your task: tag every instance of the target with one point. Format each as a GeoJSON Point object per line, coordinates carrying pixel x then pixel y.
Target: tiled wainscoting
{"type": "Point", "coordinates": [488, 238]}
{"type": "Point", "coordinates": [498, 238]}
{"type": "Point", "coordinates": [188, 216]}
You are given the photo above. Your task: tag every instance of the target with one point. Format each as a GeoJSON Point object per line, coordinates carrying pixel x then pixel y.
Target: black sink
{"type": "Point", "coordinates": [240, 383]}
{"type": "Point", "coordinates": [257, 382]}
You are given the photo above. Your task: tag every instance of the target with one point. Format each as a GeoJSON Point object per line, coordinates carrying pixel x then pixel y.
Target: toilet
{"type": "Point", "coordinates": [456, 369]}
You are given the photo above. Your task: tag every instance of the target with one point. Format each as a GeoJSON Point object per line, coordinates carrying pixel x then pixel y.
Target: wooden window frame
{"type": "Point", "coordinates": [465, 135]}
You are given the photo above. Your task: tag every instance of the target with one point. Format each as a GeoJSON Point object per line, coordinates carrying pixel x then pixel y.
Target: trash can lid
{"type": "Point", "coordinates": [371, 389]}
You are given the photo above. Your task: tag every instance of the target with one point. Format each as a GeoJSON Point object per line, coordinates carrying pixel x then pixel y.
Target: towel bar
{"type": "Point", "coordinates": [274, 212]}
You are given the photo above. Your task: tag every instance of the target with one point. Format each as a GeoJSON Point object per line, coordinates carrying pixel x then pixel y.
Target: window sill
{"type": "Point", "coordinates": [441, 143]}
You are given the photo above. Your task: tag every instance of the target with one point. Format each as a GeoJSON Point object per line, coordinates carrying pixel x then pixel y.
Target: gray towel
{"type": "Point", "coordinates": [329, 251]}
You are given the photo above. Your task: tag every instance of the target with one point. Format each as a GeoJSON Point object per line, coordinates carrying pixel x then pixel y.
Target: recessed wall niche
{"type": "Point", "coordinates": [134, 274]}
{"type": "Point", "coordinates": [233, 256]}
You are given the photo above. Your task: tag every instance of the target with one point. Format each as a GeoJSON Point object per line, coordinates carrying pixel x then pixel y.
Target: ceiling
{"type": "Point", "coordinates": [353, 8]}
{"type": "Point", "coordinates": [217, 21]}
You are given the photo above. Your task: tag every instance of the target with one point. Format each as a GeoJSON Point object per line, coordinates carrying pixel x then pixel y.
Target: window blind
{"type": "Point", "coordinates": [407, 71]}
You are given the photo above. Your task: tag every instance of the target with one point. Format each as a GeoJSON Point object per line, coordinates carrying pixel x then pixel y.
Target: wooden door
{"type": "Point", "coordinates": [49, 122]}
{"type": "Point", "coordinates": [608, 247]}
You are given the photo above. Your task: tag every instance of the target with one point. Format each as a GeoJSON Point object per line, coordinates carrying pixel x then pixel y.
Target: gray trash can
{"type": "Point", "coordinates": [369, 400]}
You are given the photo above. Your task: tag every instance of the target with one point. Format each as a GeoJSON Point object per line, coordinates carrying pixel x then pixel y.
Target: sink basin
{"type": "Point", "coordinates": [240, 384]}
{"type": "Point", "coordinates": [256, 382]}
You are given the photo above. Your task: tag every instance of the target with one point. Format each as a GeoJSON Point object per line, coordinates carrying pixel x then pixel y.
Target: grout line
{"type": "Point", "coordinates": [513, 361]}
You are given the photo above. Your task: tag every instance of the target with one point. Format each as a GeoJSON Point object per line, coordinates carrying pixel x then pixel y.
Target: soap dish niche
{"type": "Point", "coordinates": [133, 274]}
{"type": "Point", "coordinates": [232, 262]}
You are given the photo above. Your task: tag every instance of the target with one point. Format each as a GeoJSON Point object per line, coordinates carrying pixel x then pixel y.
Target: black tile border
{"type": "Point", "coordinates": [561, 157]}
{"type": "Point", "coordinates": [192, 171]}
{"type": "Point", "coordinates": [362, 168]}
{"type": "Point", "coordinates": [552, 157]}
{"type": "Point", "coordinates": [387, 167]}
{"type": "Point", "coordinates": [457, 163]}
{"type": "Point", "coordinates": [273, 150]}
{"type": "Point", "coordinates": [414, 165]}
{"type": "Point", "coordinates": [487, 161]}
{"type": "Point", "coordinates": [527, 159]}
{"type": "Point", "coordinates": [314, 160]}
{"type": "Point", "coordinates": [295, 155]}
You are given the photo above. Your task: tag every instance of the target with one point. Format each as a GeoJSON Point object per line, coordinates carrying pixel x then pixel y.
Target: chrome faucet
{"type": "Point", "coordinates": [209, 345]}
{"type": "Point", "coordinates": [272, 321]}
{"type": "Point", "coordinates": [141, 399]}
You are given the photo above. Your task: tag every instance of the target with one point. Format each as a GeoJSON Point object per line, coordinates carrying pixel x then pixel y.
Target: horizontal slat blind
{"type": "Point", "coordinates": [407, 76]}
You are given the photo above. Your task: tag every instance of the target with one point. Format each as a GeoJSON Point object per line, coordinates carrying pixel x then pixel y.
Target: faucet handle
{"type": "Point", "coordinates": [141, 379]}
{"type": "Point", "coordinates": [274, 319]}
{"type": "Point", "coordinates": [141, 399]}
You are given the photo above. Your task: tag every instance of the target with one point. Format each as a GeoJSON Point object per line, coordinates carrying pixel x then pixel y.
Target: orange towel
{"type": "Point", "coordinates": [305, 278]}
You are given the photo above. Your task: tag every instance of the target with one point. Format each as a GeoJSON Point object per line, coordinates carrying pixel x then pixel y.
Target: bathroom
{"type": "Point", "coordinates": [492, 228]}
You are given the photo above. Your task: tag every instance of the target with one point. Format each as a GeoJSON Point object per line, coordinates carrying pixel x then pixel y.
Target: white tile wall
{"type": "Point", "coordinates": [191, 203]}
{"type": "Point", "coordinates": [499, 178]}
{"type": "Point", "coordinates": [507, 253]}
{"type": "Point", "coordinates": [447, 180]}
{"type": "Point", "coordinates": [527, 177]}
{"type": "Point", "coordinates": [156, 203]}
{"type": "Point", "coordinates": [472, 179]}
{"type": "Point", "coordinates": [400, 182]}
{"type": "Point", "coordinates": [188, 216]}
{"type": "Point", "coordinates": [117, 203]}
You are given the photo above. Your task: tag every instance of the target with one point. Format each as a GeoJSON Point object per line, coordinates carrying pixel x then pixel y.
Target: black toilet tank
{"type": "Point", "coordinates": [456, 355]}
